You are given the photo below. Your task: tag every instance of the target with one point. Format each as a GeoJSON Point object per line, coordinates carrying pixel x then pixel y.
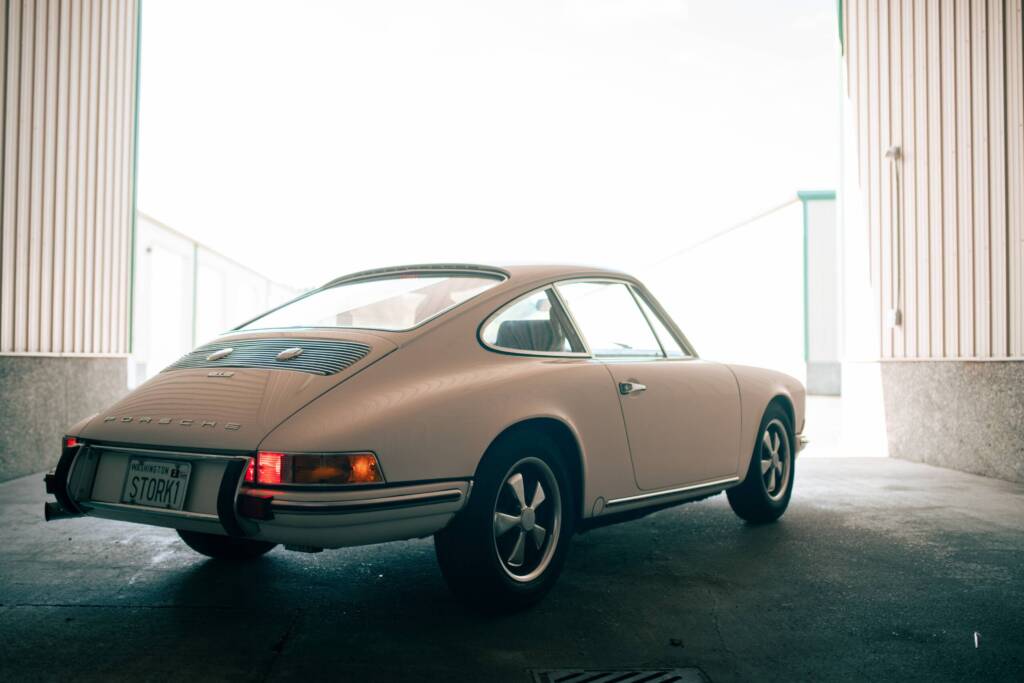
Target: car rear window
{"type": "Point", "coordinates": [394, 303]}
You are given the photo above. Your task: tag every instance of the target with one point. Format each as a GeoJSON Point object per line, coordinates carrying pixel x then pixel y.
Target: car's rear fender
{"type": "Point", "coordinates": [432, 415]}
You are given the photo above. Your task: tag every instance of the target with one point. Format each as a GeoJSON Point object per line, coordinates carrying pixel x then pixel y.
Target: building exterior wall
{"type": "Point", "coordinates": [186, 294]}
{"type": "Point", "coordinates": [53, 394]}
{"type": "Point", "coordinates": [943, 221]}
{"type": "Point", "coordinates": [738, 294]}
{"type": "Point", "coordinates": [944, 81]}
{"type": "Point", "coordinates": [67, 158]}
{"type": "Point", "coordinates": [822, 301]}
{"type": "Point", "coordinates": [967, 415]}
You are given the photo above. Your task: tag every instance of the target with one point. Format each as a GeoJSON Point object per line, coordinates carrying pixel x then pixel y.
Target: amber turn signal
{"type": "Point", "coordinates": [271, 468]}
{"type": "Point", "coordinates": [343, 468]}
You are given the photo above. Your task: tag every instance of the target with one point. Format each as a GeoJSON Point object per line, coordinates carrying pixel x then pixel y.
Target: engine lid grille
{"type": "Point", "coordinates": [317, 356]}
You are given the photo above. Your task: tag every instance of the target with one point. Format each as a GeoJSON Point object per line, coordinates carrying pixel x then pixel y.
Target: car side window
{"type": "Point", "coordinates": [668, 341]}
{"type": "Point", "coordinates": [610, 320]}
{"type": "Point", "coordinates": [535, 323]}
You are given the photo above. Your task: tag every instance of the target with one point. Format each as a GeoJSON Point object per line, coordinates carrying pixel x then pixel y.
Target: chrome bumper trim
{"type": "Point", "coordinates": [227, 492]}
{"type": "Point", "coordinates": [368, 504]}
{"type": "Point", "coordinates": [669, 492]}
{"type": "Point", "coordinates": [159, 512]}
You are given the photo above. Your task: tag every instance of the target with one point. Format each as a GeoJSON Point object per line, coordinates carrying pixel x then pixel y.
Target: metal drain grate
{"type": "Point", "coordinates": [688, 675]}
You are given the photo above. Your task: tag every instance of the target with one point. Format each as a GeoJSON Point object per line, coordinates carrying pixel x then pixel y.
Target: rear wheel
{"type": "Point", "coordinates": [505, 550]}
{"type": "Point", "coordinates": [764, 494]}
{"type": "Point", "coordinates": [225, 547]}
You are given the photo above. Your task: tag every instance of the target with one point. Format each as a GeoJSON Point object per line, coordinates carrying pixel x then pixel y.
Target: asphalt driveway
{"type": "Point", "coordinates": [881, 570]}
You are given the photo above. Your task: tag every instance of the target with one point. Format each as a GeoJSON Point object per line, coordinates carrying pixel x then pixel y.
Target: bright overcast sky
{"type": "Point", "coordinates": [309, 139]}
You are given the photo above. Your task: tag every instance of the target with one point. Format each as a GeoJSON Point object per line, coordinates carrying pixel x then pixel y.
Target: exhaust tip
{"type": "Point", "coordinates": [52, 511]}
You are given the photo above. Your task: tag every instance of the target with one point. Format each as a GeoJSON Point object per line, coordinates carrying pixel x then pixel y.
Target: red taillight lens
{"type": "Point", "coordinates": [250, 471]}
{"type": "Point", "coordinates": [71, 442]}
{"type": "Point", "coordinates": [268, 466]}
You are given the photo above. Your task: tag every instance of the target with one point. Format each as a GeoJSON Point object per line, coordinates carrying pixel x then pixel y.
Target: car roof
{"type": "Point", "coordinates": [514, 274]}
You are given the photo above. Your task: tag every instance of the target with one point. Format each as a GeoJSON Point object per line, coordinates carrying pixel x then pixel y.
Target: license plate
{"type": "Point", "coordinates": [156, 483]}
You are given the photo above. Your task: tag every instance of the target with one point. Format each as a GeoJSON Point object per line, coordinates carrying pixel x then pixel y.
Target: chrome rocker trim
{"type": "Point", "coordinates": [670, 492]}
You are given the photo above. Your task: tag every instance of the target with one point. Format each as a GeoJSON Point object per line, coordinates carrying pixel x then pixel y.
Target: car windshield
{"type": "Point", "coordinates": [394, 303]}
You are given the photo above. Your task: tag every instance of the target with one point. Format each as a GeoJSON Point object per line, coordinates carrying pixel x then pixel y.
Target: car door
{"type": "Point", "coordinates": [682, 414]}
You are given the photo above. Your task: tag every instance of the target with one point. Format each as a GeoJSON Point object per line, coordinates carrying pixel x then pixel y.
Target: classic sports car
{"type": "Point", "coordinates": [499, 409]}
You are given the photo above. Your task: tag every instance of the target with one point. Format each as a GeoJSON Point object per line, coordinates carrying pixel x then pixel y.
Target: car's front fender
{"type": "Point", "coordinates": [758, 387]}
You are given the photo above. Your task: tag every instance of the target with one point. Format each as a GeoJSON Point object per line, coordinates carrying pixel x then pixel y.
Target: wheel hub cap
{"type": "Point", "coordinates": [775, 459]}
{"type": "Point", "coordinates": [527, 519]}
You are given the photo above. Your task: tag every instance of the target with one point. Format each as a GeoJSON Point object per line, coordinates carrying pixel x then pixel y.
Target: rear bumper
{"type": "Point", "coordinates": [87, 481]}
{"type": "Point", "coordinates": [334, 519]}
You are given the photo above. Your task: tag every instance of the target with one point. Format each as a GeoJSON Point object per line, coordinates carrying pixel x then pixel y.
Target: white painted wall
{"type": "Point", "coordinates": [187, 294]}
{"type": "Point", "coordinates": [739, 297]}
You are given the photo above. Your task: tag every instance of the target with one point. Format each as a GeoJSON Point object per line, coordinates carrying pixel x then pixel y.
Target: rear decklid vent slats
{"type": "Point", "coordinates": [318, 356]}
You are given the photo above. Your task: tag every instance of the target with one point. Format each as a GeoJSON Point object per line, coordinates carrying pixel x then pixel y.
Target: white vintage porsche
{"type": "Point", "coordinates": [499, 409]}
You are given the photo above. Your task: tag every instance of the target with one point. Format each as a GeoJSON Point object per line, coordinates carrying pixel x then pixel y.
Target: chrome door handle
{"type": "Point", "coordinates": [627, 388]}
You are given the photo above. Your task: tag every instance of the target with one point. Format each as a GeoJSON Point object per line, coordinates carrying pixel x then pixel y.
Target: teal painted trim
{"type": "Point", "coordinates": [807, 196]}
{"type": "Point", "coordinates": [839, 15]}
{"type": "Point", "coordinates": [807, 312]}
{"type": "Point", "coordinates": [135, 179]}
{"type": "Point", "coordinates": [816, 195]}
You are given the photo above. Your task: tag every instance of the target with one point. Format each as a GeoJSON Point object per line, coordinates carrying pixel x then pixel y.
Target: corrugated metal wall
{"type": "Point", "coordinates": [68, 107]}
{"type": "Point", "coordinates": [944, 80]}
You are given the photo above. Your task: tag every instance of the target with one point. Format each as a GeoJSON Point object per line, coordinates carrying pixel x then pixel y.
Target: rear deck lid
{"type": "Point", "coordinates": [229, 394]}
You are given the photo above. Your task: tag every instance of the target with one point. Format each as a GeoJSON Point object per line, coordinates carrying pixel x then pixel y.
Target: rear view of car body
{"type": "Point", "coordinates": [425, 403]}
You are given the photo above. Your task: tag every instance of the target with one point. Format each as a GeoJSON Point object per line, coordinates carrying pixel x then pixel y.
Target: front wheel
{"type": "Point", "coordinates": [225, 547]}
{"type": "Point", "coordinates": [505, 550]}
{"type": "Point", "coordinates": [764, 494]}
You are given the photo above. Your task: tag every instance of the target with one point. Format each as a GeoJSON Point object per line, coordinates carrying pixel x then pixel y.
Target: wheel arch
{"type": "Point", "coordinates": [786, 403]}
{"type": "Point", "coordinates": [568, 447]}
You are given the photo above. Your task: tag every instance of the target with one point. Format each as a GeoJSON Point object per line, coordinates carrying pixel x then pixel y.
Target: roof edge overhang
{"type": "Point", "coordinates": [419, 268]}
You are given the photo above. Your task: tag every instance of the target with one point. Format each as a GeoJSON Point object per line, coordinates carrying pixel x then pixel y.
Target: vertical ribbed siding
{"type": "Point", "coordinates": [943, 80]}
{"type": "Point", "coordinates": [65, 227]}
{"type": "Point", "coordinates": [1013, 42]}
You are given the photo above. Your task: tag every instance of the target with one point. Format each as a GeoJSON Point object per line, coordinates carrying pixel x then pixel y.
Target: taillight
{"type": "Point", "coordinates": [268, 466]}
{"type": "Point", "coordinates": [71, 442]}
{"type": "Point", "coordinates": [314, 468]}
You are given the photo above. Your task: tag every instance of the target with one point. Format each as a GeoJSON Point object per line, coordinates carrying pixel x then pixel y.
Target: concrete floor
{"type": "Point", "coordinates": [880, 570]}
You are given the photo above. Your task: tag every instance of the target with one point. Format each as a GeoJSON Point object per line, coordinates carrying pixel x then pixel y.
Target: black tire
{"type": "Point", "coordinates": [468, 549]}
{"type": "Point", "coordinates": [752, 500]}
{"type": "Point", "coordinates": [225, 547]}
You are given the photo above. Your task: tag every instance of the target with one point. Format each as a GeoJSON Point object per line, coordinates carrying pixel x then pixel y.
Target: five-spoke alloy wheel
{"type": "Point", "coordinates": [505, 549]}
{"type": "Point", "coordinates": [527, 519]}
{"type": "Point", "coordinates": [775, 459]}
{"type": "Point", "coordinates": [764, 494]}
